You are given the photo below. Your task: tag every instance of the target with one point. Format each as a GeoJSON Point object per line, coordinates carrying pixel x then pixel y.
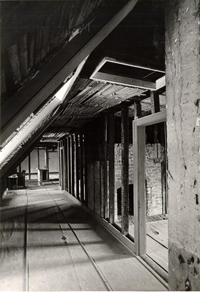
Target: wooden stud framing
{"type": "Point", "coordinates": [77, 166]}
{"type": "Point", "coordinates": [155, 102]}
{"type": "Point", "coordinates": [38, 154]}
{"type": "Point", "coordinates": [125, 170]}
{"type": "Point", "coordinates": [111, 139]}
{"type": "Point", "coordinates": [68, 165]}
{"type": "Point", "coordinates": [137, 110]}
{"type": "Point", "coordinates": [72, 163]}
{"type": "Point", "coordinates": [29, 166]}
{"type": "Point", "coordinates": [81, 168]}
{"type": "Point", "coordinates": [105, 171]}
{"type": "Point", "coordinates": [139, 178]}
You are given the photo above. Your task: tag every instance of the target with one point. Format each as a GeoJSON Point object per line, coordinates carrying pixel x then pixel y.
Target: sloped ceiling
{"type": "Point", "coordinates": [33, 32]}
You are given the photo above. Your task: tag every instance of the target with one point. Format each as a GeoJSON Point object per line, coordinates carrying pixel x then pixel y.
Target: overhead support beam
{"type": "Point", "coordinates": [51, 77]}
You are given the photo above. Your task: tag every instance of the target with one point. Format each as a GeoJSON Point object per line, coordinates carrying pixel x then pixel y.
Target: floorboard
{"type": "Point", "coordinates": [49, 243]}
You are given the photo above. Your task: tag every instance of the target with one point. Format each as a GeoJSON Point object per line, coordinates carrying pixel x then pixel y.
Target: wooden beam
{"type": "Point", "coordinates": [72, 163]}
{"type": "Point", "coordinates": [38, 156]}
{"type": "Point", "coordinates": [152, 119]}
{"type": "Point", "coordinates": [68, 165]}
{"type": "Point", "coordinates": [126, 81]}
{"type": "Point", "coordinates": [111, 142]}
{"type": "Point", "coordinates": [139, 189]}
{"type": "Point", "coordinates": [125, 170]}
{"type": "Point", "coordinates": [29, 166]}
{"type": "Point", "coordinates": [52, 75]}
{"type": "Point", "coordinates": [77, 165]}
{"type": "Point", "coordinates": [155, 102]}
{"type": "Point", "coordinates": [81, 168]}
{"type": "Point", "coordinates": [105, 170]}
{"type": "Point", "coordinates": [137, 110]}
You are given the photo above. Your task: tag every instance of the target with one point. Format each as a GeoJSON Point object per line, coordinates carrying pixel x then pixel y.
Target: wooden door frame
{"type": "Point", "coordinates": [139, 177]}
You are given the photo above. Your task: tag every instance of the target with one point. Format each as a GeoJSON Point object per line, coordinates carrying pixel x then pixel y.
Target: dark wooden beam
{"type": "Point", "coordinates": [77, 165]}
{"type": "Point", "coordinates": [68, 165]}
{"type": "Point", "coordinates": [105, 170]}
{"type": "Point", "coordinates": [29, 166]}
{"type": "Point", "coordinates": [137, 110]}
{"type": "Point", "coordinates": [72, 164]}
{"type": "Point", "coordinates": [51, 76]}
{"type": "Point", "coordinates": [155, 102]}
{"type": "Point", "coordinates": [125, 170]}
{"type": "Point", "coordinates": [81, 168]}
{"type": "Point", "coordinates": [111, 142]}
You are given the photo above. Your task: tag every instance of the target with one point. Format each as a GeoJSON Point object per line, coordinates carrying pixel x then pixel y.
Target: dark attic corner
{"type": "Point", "coordinates": [99, 147]}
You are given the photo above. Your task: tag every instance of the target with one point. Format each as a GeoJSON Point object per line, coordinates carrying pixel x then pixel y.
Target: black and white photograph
{"type": "Point", "coordinates": [100, 145]}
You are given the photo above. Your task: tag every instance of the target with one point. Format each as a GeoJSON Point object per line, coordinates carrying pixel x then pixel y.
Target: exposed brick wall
{"type": "Point", "coordinates": [153, 176]}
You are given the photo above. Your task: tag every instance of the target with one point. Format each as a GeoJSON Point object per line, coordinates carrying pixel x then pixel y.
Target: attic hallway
{"type": "Point", "coordinates": [50, 243]}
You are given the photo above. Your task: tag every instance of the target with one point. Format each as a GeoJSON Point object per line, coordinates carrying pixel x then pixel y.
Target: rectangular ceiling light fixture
{"type": "Point", "coordinates": [113, 71]}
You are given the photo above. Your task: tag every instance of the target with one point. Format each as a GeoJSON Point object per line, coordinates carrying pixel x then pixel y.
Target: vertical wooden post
{"type": "Point", "coordinates": [38, 154]}
{"type": "Point", "coordinates": [77, 166]}
{"type": "Point", "coordinates": [65, 163]}
{"type": "Point", "coordinates": [139, 189]}
{"type": "Point", "coordinates": [47, 158]}
{"type": "Point", "coordinates": [29, 165]}
{"type": "Point", "coordinates": [137, 110]}
{"type": "Point", "coordinates": [155, 102]}
{"type": "Point", "coordinates": [72, 163]}
{"type": "Point", "coordinates": [105, 171]}
{"type": "Point", "coordinates": [81, 168]}
{"type": "Point", "coordinates": [111, 138]}
{"type": "Point", "coordinates": [68, 165]}
{"type": "Point", "coordinates": [125, 170]}
{"type": "Point", "coordinates": [60, 172]}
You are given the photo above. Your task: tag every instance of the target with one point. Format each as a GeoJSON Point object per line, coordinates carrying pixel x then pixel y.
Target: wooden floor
{"type": "Point", "coordinates": [49, 243]}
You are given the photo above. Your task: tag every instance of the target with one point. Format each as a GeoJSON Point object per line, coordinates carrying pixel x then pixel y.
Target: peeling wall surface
{"type": "Point", "coordinates": [183, 128]}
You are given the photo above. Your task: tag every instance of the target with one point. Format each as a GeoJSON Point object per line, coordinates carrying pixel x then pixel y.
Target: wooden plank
{"type": "Point", "coordinates": [81, 168]}
{"type": "Point", "coordinates": [125, 170]}
{"type": "Point", "coordinates": [105, 168]}
{"type": "Point", "coordinates": [77, 165]}
{"type": "Point", "coordinates": [137, 110]}
{"type": "Point", "coordinates": [139, 189]}
{"type": "Point", "coordinates": [12, 249]}
{"type": "Point", "coordinates": [111, 143]}
{"type": "Point", "coordinates": [97, 186]}
{"type": "Point", "coordinates": [152, 119]}
{"type": "Point", "coordinates": [155, 102]}
{"type": "Point", "coordinates": [29, 166]}
{"type": "Point", "coordinates": [51, 76]}
{"type": "Point", "coordinates": [68, 165]}
{"type": "Point", "coordinates": [102, 203]}
{"type": "Point", "coordinates": [124, 80]}
{"type": "Point", "coordinates": [72, 163]}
